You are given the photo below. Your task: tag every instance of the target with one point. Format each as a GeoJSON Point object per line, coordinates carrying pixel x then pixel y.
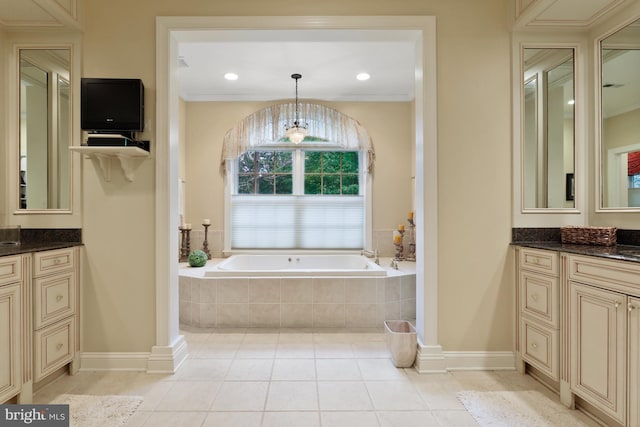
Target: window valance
{"type": "Point", "coordinates": [327, 128]}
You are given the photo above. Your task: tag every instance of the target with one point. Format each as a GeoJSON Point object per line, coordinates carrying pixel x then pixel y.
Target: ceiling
{"type": "Point", "coordinates": [328, 61]}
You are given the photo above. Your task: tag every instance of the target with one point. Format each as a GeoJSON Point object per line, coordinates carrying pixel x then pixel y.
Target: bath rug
{"type": "Point", "coordinates": [518, 408]}
{"type": "Point", "coordinates": [99, 411]}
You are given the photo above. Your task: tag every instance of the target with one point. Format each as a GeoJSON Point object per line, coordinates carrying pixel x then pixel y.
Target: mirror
{"type": "Point", "coordinates": [620, 119]}
{"type": "Point", "coordinates": [548, 129]}
{"type": "Point", "coordinates": [45, 129]}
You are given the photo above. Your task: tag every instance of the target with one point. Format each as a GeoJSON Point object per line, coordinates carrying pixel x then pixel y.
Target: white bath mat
{"type": "Point", "coordinates": [99, 411]}
{"type": "Point", "coordinates": [518, 408]}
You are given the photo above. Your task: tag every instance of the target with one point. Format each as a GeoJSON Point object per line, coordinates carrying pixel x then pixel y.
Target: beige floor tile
{"type": "Point", "coordinates": [380, 369]}
{"type": "Point", "coordinates": [241, 396]}
{"type": "Point", "coordinates": [152, 398]}
{"type": "Point", "coordinates": [291, 419]}
{"type": "Point", "coordinates": [189, 396]}
{"type": "Point", "coordinates": [407, 419]}
{"type": "Point", "coordinates": [233, 419]}
{"type": "Point", "coordinates": [257, 351]}
{"type": "Point", "coordinates": [337, 350]}
{"type": "Point", "coordinates": [297, 351]}
{"type": "Point", "coordinates": [250, 370]}
{"type": "Point", "coordinates": [203, 369]}
{"type": "Point", "coordinates": [371, 350]}
{"type": "Point", "coordinates": [213, 350]}
{"type": "Point", "coordinates": [268, 336]}
{"type": "Point", "coordinates": [295, 337]}
{"type": "Point", "coordinates": [175, 419]}
{"type": "Point", "coordinates": [454, 418]}
{"type": "Point", "coordinates": [395, 396]}
{"type": "Point", "coordinates": [338, 370]}
{"type": "Point", "coordinates": [349, 419]}
{"type": "Point", "coordinates": [343, 396]}
{"type": "Point", "coordinates": [138, 418]}
{"type": "Point", "coordinates": [294, 370]}
{"type": "Point", "coordinates": [292, 396]}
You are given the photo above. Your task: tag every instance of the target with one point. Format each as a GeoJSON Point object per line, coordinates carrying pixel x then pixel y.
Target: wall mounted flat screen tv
{"type": "Point", "coordinates": [111, 105]}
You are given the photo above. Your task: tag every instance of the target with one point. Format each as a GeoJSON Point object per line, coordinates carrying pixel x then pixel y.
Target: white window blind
{"type": "Point", "coordinates": [297, 222]}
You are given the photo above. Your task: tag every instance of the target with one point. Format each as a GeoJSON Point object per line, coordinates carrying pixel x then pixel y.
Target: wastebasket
{"type": "Point", "coordinates": [402, 342]}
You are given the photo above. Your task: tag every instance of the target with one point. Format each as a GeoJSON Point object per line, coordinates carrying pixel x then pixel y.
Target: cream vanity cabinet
{"type": "Point", "coordinates": [538, 307]}
{"type": "Point", "coordinates": [604, 335]}
{"type": "Point", "coordinates": [39, 319]}
{"type": "Point", "coordinates": [55, 310]}
{"type": "Point", "coordinates": [10, 326]}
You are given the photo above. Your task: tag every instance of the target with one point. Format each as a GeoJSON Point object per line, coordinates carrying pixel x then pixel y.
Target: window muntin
{"type": "Point", "coordinates": [331, 216]}
{"type": "Point", "coordinates": [265, 172]}
{"type": "Point", "coordinates": [331, 172]}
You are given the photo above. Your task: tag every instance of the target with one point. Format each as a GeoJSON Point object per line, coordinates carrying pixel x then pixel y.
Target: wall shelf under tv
{"type": "Point", "coordinates": [128, 157]}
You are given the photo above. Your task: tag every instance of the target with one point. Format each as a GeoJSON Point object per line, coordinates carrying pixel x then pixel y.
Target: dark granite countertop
{"type": "Point", "coordinates": [617, 252]}
{"type": "Point", "coordinates": [43, 239]}
{"type": "Point", "coordinates": [35, 247]}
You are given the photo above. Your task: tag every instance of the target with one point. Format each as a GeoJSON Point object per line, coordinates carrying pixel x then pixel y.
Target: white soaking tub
{"type": "Point", "coordinates": [278, 265]}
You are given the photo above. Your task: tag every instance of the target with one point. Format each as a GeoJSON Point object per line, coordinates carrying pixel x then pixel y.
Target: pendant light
{"type": "Point", "coordinates": [296, 131]}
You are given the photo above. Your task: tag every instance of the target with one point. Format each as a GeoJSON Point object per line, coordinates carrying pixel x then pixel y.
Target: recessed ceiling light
{"type": "Point", "coordinates": [363, 76]}
{"type": "Point", "coordinates": [231, 76]}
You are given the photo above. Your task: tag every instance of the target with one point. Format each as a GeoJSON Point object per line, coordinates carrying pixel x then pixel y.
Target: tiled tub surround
{"type": "Point", "coordinates": [297, 302]}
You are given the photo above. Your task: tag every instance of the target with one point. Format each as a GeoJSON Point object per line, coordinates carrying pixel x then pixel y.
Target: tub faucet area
{"type": "Point", "coordinates": [371, 254]}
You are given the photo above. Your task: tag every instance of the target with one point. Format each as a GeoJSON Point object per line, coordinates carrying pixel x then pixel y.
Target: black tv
{"type": "Point", "coordinates": [112, 106]}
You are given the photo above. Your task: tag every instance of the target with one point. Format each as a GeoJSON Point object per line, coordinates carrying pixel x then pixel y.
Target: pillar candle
{"type": "Point", "coordinates": [206, 221]}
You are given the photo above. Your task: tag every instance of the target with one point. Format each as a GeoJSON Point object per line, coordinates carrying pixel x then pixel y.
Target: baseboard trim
{"type": "Point", "coordinates": [480, 360]}
{"type": "Point", "coordinates": [167, 359]}
{"type": "Point", "coordinates": [431, 359]}
{"type": "Point", "coordinates": [103, 361]}
{"type": "Point", "coordinates": [161, 359]}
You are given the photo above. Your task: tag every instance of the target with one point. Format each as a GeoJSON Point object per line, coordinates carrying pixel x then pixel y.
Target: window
{"type": "Point", "coordinates": [298, 199]}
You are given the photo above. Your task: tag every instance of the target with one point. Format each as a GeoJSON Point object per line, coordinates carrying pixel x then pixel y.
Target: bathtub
{"type": "Point", "coordinates": [279, 265]}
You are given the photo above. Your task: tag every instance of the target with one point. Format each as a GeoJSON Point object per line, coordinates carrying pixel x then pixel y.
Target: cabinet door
{"type": "Point", "coordinates": [634, 361]}
{"type": "Point", "coordinates": [598, 348]}
{"type": "Point", "coordinates": [10, 367]}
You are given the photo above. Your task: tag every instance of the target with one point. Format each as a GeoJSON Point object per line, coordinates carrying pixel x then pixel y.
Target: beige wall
{"type": "Point", "coordinates": [475, 272]}
{"type": "Point", "coordinates": [388, 124]}
{"type": "Point", "coordinates": [4, 178]}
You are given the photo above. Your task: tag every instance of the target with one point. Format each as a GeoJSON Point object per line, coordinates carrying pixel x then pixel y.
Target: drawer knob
{"type": "Point", "coordinates": [630, 307]}
{"type": "Point", "coordinates": [59, 298]}
{"type": "Point", "coordinates": [616, 304]}
{"type": "Point", "coordinates": [534, 345]}
{"type": "Point", "coordinates": [534, 297]}
{"type": "Point", "coordinates": [56, 261]}
{"type": "Point", "coordinates": [59, 346]}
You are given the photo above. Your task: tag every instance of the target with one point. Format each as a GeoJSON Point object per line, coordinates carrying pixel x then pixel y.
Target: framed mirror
{"type": "Point", "coordinates": [44, 129]}
{"type": "Point", "coordinates": [548, 124]}
{"type": "Point", "coordinates": [619, 134]}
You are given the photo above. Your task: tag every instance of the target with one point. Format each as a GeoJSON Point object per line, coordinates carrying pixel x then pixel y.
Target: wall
{"type": "Point", "coordinates": [475, 266]}
{"type": "Point", "coordinates": [4, 178]}
{"type": "Point", "coordinates": [388, 124]}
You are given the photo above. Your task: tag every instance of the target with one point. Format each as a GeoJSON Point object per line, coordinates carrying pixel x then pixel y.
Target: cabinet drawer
{"type": "Point", "coordinates": [10, 269]}
{"type": "Point", "coordinates": [539, 260]}
{"type": "Point", "coordinates": [539, 347]}
{"type": "Point", "coordinates": [54, 298]}
{"type": "Point", "coordinates": [48, 262]}
{"type": "Point", "coordinates": [620, 276]}
{"type": "Point", "coordinates": [539, 297]}
{"type": "Point", "coordinates": [53, 347]}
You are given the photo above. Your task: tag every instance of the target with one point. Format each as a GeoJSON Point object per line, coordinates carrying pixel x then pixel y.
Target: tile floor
{"type": "Point", "coordinates": [291, 378]}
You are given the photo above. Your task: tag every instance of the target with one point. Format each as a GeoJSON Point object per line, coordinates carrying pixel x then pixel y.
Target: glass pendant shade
{"type": "Point", "coordinates": [297, 131]}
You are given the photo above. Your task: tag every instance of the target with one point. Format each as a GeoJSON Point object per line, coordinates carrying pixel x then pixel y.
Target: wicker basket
{"type": "Point", "coordinates": [605, 236]}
